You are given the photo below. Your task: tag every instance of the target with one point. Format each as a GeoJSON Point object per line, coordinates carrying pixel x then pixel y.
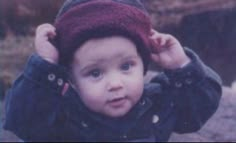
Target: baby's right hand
{"type": "Point", "coordinates": [44, 48]}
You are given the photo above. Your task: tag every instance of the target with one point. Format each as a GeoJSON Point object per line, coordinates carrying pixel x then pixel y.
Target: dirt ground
{"type": "Point", "coordinates": [221, 127]}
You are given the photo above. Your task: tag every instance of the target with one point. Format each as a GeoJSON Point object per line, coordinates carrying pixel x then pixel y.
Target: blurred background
{"type": "Point", "coordinates": [206, 26]}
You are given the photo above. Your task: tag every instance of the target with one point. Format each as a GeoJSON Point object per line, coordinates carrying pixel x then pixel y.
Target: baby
{"type": "Point", "coordinates": [86, 80]}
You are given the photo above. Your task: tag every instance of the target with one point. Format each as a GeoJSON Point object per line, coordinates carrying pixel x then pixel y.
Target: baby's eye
{"type": "Point", "coordinates": [95, 73]}
{"type": "Point", "coordinates": [126, 66]}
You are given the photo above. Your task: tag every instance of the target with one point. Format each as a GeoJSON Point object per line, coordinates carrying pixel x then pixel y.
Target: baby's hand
{"type": "Point", "coordinates": [44, 48]}
{"type": "Point", "coordinates": [167, 51]}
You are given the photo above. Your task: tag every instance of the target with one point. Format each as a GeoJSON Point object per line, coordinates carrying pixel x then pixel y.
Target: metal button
{"type": "Point", "coordinates": [155, 119]}
{"type": "Point", "coordinates": [125, 136]}
{"type": "Point", "coordinates": [143, 102]}
{"type": "Point", "coordinates": [84, 124]}
{"type": "Point", "coordinates": [189, 81]}
{"type": "Point", "coordinates": [51, 77]}
{"type": "Point", "coordinates": [60, 82]}
{"type": "Point", "coordinates": [178, 84]}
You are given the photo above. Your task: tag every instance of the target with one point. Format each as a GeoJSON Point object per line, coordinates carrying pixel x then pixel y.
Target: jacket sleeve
{"type": "Point", "coordinates": [33, 103]}
{"type": "Point", "coordinates": [196, 91]}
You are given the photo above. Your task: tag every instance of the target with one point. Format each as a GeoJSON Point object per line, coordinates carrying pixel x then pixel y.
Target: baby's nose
{"type": "Point", "coordinates": [115, 84]}
{"type": "Point", "coordinates": [115, 88]}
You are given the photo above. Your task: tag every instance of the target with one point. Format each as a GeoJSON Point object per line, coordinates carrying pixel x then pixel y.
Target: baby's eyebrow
{"type": "Point", "coordinates": [88, 67]}
{"type": "Point", "coordinates": [92, 63]}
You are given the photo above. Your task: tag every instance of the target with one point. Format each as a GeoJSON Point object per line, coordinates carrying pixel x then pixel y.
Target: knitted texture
{"type": "Point", "coordinates": [98, 19]}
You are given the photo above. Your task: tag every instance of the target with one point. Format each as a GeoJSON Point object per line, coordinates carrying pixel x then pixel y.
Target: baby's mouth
{"type": "Point", "coordinates": [117, 102]}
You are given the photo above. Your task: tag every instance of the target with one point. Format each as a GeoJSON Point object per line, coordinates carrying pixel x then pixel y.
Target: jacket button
{"type": "Point", "coordinates": [84, 124]}
{"type": "Point", "coordinates": [51, 77]}
{"type": "Point", "coordinates": [188, 81]}
{"type": "Point", "coordinates": [178, 84]}
{"type": "Point", "coordinates": [143, 102]}
{"type": "Point", "coordinates": [60, 82]}
{"type": "Point", "coordinates": [124, 136]}
{"type": "Point", "coordinates": [155, 119]}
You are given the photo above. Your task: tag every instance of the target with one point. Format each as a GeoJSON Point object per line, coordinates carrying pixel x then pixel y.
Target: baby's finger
{"type": "Point", "coordinates": [158, 38]}
{"type": "Point", "coordinates": [162, 40]}
{"type": "Point", "coordinates": [166, 40]}
{"type": "Point", "coordinates": [155, 58]}
{"type": "Point", "coordinates": [45, 26]}
{"type": "Point", "coordinates": [154, 47]}
{"type": "Point", "coordinates": [51, 34]}
{"type": "Point", "coordinates": [152, 32]}
{"type": "Point", "coordinates": [45, 29]}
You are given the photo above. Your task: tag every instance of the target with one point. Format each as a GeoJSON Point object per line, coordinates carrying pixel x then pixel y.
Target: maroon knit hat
{"type": "Point", "coordinates": [99, 19]}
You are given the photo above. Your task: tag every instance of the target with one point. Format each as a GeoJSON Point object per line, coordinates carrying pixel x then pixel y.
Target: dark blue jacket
{"type": "Point", "coordinates": [180, 100]}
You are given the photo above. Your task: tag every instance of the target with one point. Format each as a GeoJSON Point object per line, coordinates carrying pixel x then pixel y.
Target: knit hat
{"type": "Point", "coordinates": [81, 20]}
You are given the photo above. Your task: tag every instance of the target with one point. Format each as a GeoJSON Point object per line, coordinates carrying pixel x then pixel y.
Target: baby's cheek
{"type": "Point", "coordinates": [136, 82]}
{"type": "Point", "coordinates": [90, 93]}
{"type": "Point", "coordinates": [135, 89]}
{"type": "Point", "coordinates": [90, 101]}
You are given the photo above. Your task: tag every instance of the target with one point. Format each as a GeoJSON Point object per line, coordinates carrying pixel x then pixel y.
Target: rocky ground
{"type": "Point", "coordinates": [221, 127]}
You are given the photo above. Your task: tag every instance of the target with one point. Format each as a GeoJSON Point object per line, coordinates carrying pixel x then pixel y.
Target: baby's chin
{"type": "Point", "coordinates": [117, 115]}
{"type": "Point", "coordinates": [119, 112]}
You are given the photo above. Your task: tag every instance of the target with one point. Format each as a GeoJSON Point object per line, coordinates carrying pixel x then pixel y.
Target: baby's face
{"type": "Point", "coordinates": [108, 75]}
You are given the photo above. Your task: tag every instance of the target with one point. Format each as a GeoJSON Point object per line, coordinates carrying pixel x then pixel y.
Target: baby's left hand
{"type": "Point", "coordinates": [167, 51]}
